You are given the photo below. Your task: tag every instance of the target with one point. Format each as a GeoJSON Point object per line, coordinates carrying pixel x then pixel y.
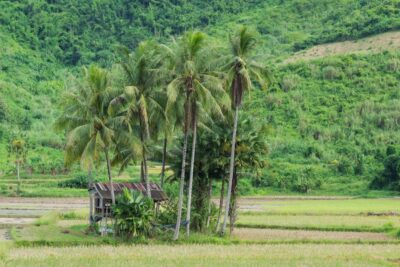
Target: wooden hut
{"type": "Point", "coordinates": [100, 196]}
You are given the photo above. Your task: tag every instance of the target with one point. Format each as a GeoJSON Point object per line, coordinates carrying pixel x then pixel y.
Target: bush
{"type": "Point", "coordinates": [289, 82]}
{"type": "Point", "coordinates": [80, 180]}
{"type": "Point", "coordinates": [390, 176]}
{"type": "Point", "coordinates": [330, 73]}
{"type": "Point", "coordinates": [168, 212]}
{"type": "Point", "coordinates": [3, 110]}
{"type": "Point", "coordinates": [133, 214]}
{"type": "Point", "coordinates": [306, 181]}
{"type": "Point", "coordinates": [344, 166]}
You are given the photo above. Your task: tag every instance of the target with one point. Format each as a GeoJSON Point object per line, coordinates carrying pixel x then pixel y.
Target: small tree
{"type": "Point", "coordinates": [133, 213]}
{"type": "Point", "coordinates": [17, 149]}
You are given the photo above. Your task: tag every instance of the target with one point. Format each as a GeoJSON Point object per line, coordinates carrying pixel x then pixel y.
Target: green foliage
{"type": "Point", "coordinates": [47, 219]}
{"type": "Point", "coordinates": [80, 180]}
{"type": "Point", "coordinates": [134, 214]}
{"type": "Point", "coordinates": [306, 181]}
{"type": "Point", "coordinates": [390, 176]}
{"type": "Point", "coordinates": [335, 113]}
{"type": "Point", "coordinates": [168, 211]}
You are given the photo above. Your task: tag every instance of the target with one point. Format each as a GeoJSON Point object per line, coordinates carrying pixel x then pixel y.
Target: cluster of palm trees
{"type": "Point", "coordinates": [153, 92]}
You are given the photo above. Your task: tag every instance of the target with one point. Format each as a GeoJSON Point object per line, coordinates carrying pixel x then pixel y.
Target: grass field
{"type": "Point", "coordinates": [208, 255]}
{"type": "Point", "coordinates": [321, 222]}
{"type": "Point", "coordinates": [272, 231]}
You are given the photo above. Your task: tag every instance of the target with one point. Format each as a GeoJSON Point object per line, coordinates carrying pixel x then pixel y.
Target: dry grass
{"type": "Point", "coordinates": [373, 44]}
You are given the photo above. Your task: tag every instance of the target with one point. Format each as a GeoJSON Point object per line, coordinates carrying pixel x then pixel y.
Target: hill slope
{"type": "Point", "coordinates": [332, 115]}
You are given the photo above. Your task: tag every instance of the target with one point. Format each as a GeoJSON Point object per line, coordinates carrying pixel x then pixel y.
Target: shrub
{"type": "Point", "coordinates": [3, 110]}
{"type": "Point", "coordinates": [306, 181]}
{"type": "Point", "coordinates": [289, 82]}
{"type": "Point", "coordinates": [344, 166]}
{"type": "Point", "coordinates": [133, 214]}
{"type": "Point", "coordinates": [168, 212]}
{"type": "Point", "coordinates": [330, 73]}
{"type": "Point", "coordinates": [390, 176]}
{"type": "Point", "coordinates": [79, 181]}
{"type": "Point", "coordinates": [393, 65]}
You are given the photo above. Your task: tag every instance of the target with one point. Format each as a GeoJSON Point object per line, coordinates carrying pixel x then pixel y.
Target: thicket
{"type": "Point", "coordinates": [389, 178]}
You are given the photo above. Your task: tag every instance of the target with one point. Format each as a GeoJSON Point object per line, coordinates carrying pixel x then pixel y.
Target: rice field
{"type": "Point", "coordinates": [321, 222]}
{"type": "Point", "coordinates": [209, 255]}
{"type": "Point", "coordinates": [281, 231]}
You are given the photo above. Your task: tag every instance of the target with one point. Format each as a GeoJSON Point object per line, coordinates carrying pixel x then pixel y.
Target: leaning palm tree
{"type": "Point", "coordinates": [194, 88]}
{"type": "Point", "coordinates": [140, 98]}
{"type": "Point", "coordinates": [241, 70]}
{"type": "Point", "coordinates": [85, 117]}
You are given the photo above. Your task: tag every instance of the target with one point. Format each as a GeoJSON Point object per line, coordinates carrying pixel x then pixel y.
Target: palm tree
{"type": "Point", "coordinates": [86, 117]}
{"type": "Point", "coordinates": [242, 68]}
{"type": "Point", "coordinates": [140, 99]}
{"type": "Point", "coordinates": [18, 148]}
{"type": "Point", "coordinates": [196, 89]}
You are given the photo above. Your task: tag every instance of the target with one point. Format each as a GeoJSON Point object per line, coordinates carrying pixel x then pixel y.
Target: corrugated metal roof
{"type": "Point", "coordinates": [105, 190]}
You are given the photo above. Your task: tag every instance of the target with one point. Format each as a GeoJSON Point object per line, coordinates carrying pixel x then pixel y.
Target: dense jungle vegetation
{"type": "Point", "coordinates": [329, 121]}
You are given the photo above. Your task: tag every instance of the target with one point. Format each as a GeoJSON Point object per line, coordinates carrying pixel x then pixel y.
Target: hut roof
{"type": "Point", "coordinates": [157, 194]}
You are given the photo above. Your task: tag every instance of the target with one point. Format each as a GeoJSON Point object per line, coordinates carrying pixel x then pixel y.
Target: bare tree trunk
{"type": "Point", "coordinates": [209, 202]}
{"type": "Point", "coordinates": [182, 183]}
{"type": "Point", "coordinates": [190, 187]}
{"type": "Point", "coordinates": [221, 203]}
{"type": "Point", "coordinates": [231, 167]}
{"type": "Point", "coordinates": [109, 176]}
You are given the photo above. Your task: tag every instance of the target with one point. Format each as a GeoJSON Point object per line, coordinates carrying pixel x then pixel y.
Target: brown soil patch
{"type": "Point", "coordinates": [372, 44]}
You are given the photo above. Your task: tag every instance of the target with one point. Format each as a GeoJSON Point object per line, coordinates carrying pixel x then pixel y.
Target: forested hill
{"type": "Point", "coordinates": [332, 117]}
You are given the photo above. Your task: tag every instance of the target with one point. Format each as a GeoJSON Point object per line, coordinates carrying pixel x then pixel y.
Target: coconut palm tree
{"type": "Point", "coordinates": [241, 70]}
{"type": "Point", "coordinates": [140, 98]}
{"type": "Point", "coordinates": [194, 88]}
{"type": "Point", "coordinates": [85, 117]}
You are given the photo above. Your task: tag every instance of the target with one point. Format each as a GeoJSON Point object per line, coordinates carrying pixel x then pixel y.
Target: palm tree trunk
{"type": "Point", "coordinates": [209, 202]}
{"type": "Point", "coordinates": [109, 176]}
{"type": "Point", "coordinates": [221, 203]}
{"type": "Point", "coordinates": [146, 174]}
{"type": "Point", "coordinates": [164, 160]}
{"type": "Point", "coordinates": [182, 183]}
{"type": "Point", "coordinates": [18, 176]}
{"type": "Point", "coordinates": [233, 204]}
{"type": "Point", "coordinates": [90, 181]}
{"type": "Point", "coordinates": [141, 172]}
{"type": "Point", "coordinates": [231, 167]}
{"type": "Point", "coordinates": [189, 203]}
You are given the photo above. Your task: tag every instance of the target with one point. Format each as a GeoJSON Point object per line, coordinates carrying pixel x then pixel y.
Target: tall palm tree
{"type": "Point", "coordinates": [140, 99]}
{"type": "Point", "coordinates": [195, 88]}
{"type": "Point", "coordinates": [242, 69]}
{"type": "Point", "coordinates": [85, 116]}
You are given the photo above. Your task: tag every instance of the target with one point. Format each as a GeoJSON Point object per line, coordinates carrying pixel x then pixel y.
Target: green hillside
{"type": "Point", "coordinates": [331, 118]}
